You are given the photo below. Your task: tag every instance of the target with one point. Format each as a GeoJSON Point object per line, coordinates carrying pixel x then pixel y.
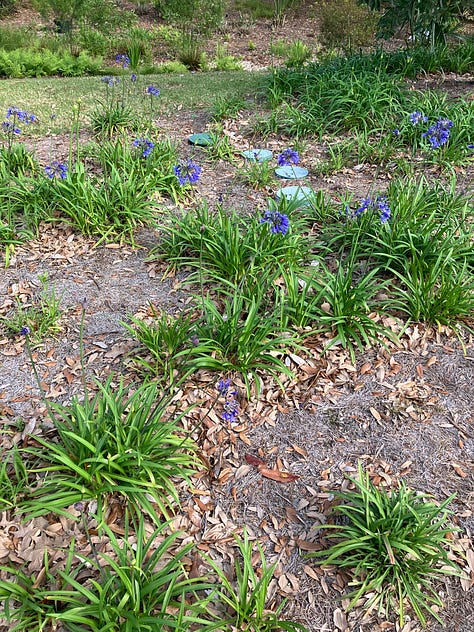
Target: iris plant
{"type": "Point", "coordinates": [417, 117]}
{"type": "Point", "coordinates": [438, 133]}
{"type": "Point", "coordinates": [379, 205]}
{"type": "Point", "coordinates": [124, 60]}
{"type": "Point", "coordinates": [110, 81]}
{"type": "Point", "coordinates": [288, 157]}
{"type": "Point", "coordinates": [153, 91]}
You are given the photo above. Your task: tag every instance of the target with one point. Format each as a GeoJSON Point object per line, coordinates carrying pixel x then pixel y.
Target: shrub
{"type": "Point", "coordinates": [195, 19]}
{"type": "Point", "coordinates": [93, 41]}
{"type": "Point", "coordinates": [13, 37]}
{"type": "Point", "coordinates": [101, 14]}
{"type": "Point", "coordinates": [7, 7]}
{"type": "Point", "coordinates": [346, 24]}
{"type": "Point", "coordinates": [256, 9]}
{"type": "Point", "coordinates": [204, 15]}
{"type": "Point", "coordinates": [428, 21]}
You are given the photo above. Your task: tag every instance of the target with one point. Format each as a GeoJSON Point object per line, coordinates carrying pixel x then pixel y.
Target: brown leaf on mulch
{"type": "Point", "coordinates": [274, 474]}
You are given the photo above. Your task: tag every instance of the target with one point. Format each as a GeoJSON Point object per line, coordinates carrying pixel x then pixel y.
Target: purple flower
{"type": "Point", "coordinates": [384, 209]}
{"type": "Point", "coordinates": [417, 117]}
{"type": "Point", "coordinates": [133, 77]}
{"type": "Point", "coordinates": [56, 169]}
{"type": "Point", "coordinates": [110, 81]}
{"type": "Point", "coordinates": [278, 222]}
{"type": "Point", "coordinates": [438, 133]}
{"type": "Point", "coordinates": [470, 146]}
{"type": "Point", "coordinates": [21, 115]}
{"type": "Point", "coordinates": [380, 205]}
{"type": "Point", "coordinates": [223, 388]}
{"type": "Point", "coordinates": [187, 171]}
{"type": "Point", "coordinates": [124, 60]}
{"type": "Point", "coordinates": [10, 128]}
{"type": "Point", "coordinates": [24, 331]}
{"type": "Point", "coordinates": [153, 90]}
{"type": "Point", "coordinates": [396, 132]}
{"type": "Point", "coordinates": [230, 410]}
{"type": "Point", "coordinates": [288, 157]}
{"type": "Point", "coordinates": [445, 122]}
{"type": "Point", "coordinates": [145, 145]}
{"type": "Point", "coordinates": [364, 205]}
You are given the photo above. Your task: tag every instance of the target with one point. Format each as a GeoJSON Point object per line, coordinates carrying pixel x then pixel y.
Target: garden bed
{"type": "Point", "coordinates": [403, 411]}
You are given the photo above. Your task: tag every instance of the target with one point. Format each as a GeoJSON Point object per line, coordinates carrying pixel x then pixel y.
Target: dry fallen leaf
{"type": "Point", "coordinates": [274, 474]}
{"type": "Point", "coordinates": [253, 460]}
{"type": "Point", "coordinates": [305, 545]}
{"type": "Point", "coordinates": [458, 469]}
{"type": "Point", "coordinates": [278, 475]}
{"type": "Point", "coordinates": [340, 620]}
{"type": "Point", "coordinates": [310, 572]}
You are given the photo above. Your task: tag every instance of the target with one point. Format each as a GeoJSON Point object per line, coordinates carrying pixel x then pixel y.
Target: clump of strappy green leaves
{"type": "Point", "coordinates": [135, 578]}
{"type": "Point", "coordinates": [394, 544]}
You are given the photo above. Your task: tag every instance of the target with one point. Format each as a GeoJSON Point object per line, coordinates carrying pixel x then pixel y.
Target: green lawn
{"type": "Point", "coordinates": [46, 96]}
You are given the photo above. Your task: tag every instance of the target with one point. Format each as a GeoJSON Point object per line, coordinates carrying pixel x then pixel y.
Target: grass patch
{"type": "Point", "coordinates": [53, 96]}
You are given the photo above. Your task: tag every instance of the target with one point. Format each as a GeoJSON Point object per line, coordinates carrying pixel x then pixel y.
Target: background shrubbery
{"type": "Point", "coordinates": [7, 7]}
{"type": "Point", "coordinates": [346, 24]}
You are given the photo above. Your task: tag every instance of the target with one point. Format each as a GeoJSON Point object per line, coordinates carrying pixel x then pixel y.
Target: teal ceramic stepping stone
{"type": "Point", "coordinates": [203, 139]}
{"type": "Point", "coordinates": [301, 194]}
{"type": "Point", "coordinates": [257, 155]}
{"type": "Point", "coordinates": [291, 173]}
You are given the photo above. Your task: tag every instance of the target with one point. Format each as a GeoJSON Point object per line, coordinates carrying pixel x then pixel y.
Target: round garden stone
{"type": "Point", "coordinates": [288, 172]}
{"type": "Point", "coordinates": [258, 155]}
{"type": "Point", "coordinates": [301, 194]}
{"type": "Point", "coordinates": [202, 139]}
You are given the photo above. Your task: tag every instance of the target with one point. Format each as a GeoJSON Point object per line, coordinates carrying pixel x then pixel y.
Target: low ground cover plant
{"type": "Point", "coordinates": [31, 63]}
{"type": "Point", "coordinates": [367, 94]}
{"type": "Point", "coordinates": [42, 316]}
{"type": "Point", "coordinates": [394, 543]}
{"type": "Point", "coordinates": [114, 442]}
